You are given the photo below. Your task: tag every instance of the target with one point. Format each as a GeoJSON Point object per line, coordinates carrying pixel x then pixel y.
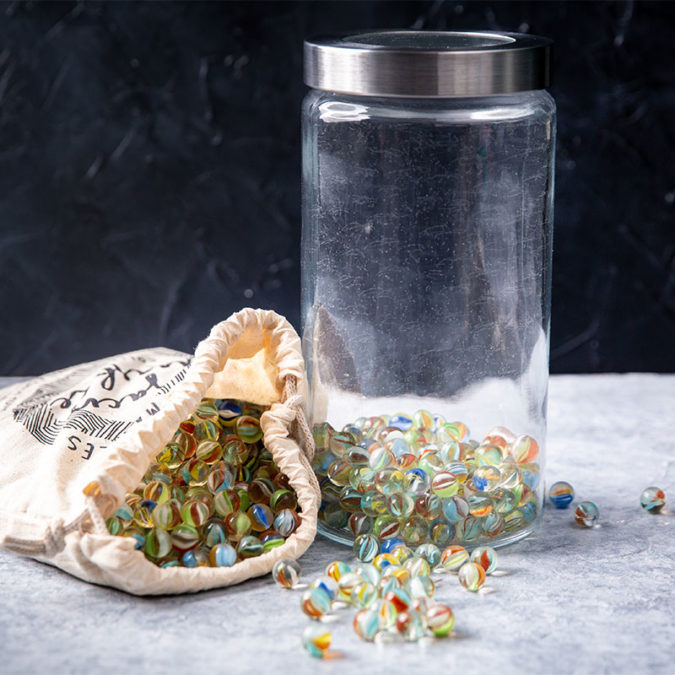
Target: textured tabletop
{"type": "Point", "coordinates": [568, 600]}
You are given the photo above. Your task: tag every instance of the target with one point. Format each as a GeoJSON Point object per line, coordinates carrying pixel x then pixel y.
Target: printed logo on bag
{"type": "Point", "coordinates": [99, 401]}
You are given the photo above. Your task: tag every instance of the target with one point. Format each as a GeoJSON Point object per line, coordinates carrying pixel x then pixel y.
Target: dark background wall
{"type": "Point", "coordinates": [150, 162]}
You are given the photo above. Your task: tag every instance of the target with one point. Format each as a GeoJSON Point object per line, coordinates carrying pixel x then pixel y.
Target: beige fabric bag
{"type": "Point", "coordinates": [73, 442]}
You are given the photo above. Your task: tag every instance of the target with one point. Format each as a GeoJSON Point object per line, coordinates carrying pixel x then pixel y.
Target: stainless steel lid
{"type": "Point", "coordinates": [428, 63]}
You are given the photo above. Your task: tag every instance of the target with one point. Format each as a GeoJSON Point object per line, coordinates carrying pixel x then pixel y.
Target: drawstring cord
{"type": "Point", "coordinates": [293, 400]}
{"type": "Point", "coordinates": [54, 539]}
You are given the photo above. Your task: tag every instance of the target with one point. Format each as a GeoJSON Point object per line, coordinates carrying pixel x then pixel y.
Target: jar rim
{"type": "Point", "coordinates": [434, 64]}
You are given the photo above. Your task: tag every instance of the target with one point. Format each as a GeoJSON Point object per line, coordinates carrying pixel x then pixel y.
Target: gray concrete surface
{"type": "Point", "coordinates": [568, 601]}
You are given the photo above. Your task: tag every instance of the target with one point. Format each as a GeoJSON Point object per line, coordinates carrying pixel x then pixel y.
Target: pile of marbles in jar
{"type": "Point", "coordinates": [214, 496]}
{"type": "Point", "coordinates": [422, 479]}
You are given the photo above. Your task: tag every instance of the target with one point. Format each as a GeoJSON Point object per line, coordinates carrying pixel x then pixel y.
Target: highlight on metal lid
{"type": "Point", "coordinates": [428, 64]}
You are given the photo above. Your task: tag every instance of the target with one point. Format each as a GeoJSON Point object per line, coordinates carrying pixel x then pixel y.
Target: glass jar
{"type": "Point", "coordinates": [426, 275]}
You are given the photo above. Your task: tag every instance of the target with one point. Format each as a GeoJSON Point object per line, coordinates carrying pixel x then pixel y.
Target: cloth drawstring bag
{"type": "Point", "coordinates": [75, 441]}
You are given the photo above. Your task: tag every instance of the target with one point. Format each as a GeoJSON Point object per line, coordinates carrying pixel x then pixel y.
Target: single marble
{"type": "Point", "coordinates": [613, 579]}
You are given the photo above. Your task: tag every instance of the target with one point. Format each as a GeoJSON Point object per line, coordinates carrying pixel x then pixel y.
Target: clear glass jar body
{"type": "Point", "coordinates": [426, 267]}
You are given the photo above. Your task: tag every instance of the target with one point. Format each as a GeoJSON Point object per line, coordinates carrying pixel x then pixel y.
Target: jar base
{"type": "Point", "coordinates": [345, 538]}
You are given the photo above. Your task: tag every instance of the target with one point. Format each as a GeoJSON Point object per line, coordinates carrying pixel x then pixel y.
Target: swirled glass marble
{"type": "Point", "coordinates": [453, 557]}
{"type": "Point", "coordinates": [346, 585]}
{"type": "Point", "coordinates": [196, 557]}
{"type": "Point", "coordinates": [486, 557]}
{"type": "Point", "coordinates": [167, 515]}
{"type": "Point", "coordinates": [195, 512]}
{"type": "Point", "coordinates": [316, 640]}
{"type": "Point", "coordinates": [315, 602]}
{"type": "Point", "coordinates": [384, 560]}
{"type": "Point", "coordinates": [286, 522]}
{"type": "Point", "coordinates": [222, 555]}
{"type": "Point", "coordinates": [440, 620]}
{"type": "Point", "coordinates": [337, 569]}
{"type": "Point", "coordinates": [586, 514]}
{"type": "Point", "coordinates": [286, 573]}
{"type": "Point", "coordinates": [561, 494]}
{"type": "Point", "coordinates": [396, 547]}
{"type": "Point", "coordinates": [157, 492]}
{"type": "Point", "coordinates": [366, 624]}
{"type": "Point", "coordinates": [184, 537]}
{"type": "Point", "coordinates": [327, 584]}
{"type": "Point", "coordinates": [249, 547]}
{"type": "Point", "coordinates": [363, 594]}
{"type": "Point", "coordinates": [157, 544]}
{"type": "Point", "coordinates": [260, 490]}
{"type": "Point", "coordinates": [421, 587]}
{"type": "Point", "coordinates": [261, 517]}
{"type": "Point", "coordinates": [143, 513]}
{"type": "Point", "coordinates": [237, 525]}
{"type": "Point", "coordinates": [653, 499]}
{"type": "Point", "coordinates": [412, 625]}
{"type": "Point", "coordinates": [248, 429]}
{"type": "Point", "coordinates": [368, 573]}
{"type": "Point", "coordinates": [114, 525]}
{"type": "Point", "coordinates": [417, 566]}
{"type": "Point", "coordinates": [431, 553]}
{"type": "Point", "coordinates": [226, 502]}
{"type": "Point", "coordinates": [471, 576]}
{"type": "Point", "coordinates": [366, 547]}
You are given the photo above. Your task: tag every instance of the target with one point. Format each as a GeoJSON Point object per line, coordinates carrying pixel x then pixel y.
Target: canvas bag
{"type": "Point", "coordinates": [75, 441]}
